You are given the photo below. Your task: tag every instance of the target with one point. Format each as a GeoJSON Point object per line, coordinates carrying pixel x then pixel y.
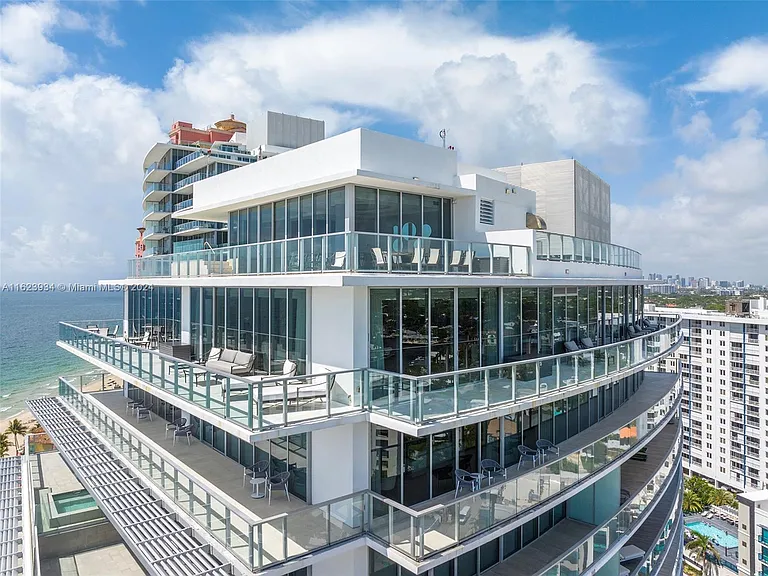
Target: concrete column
{"type": "Point", "coordinates": [348, 563]}
{"type": "Point", "coordinates": [186, 319]}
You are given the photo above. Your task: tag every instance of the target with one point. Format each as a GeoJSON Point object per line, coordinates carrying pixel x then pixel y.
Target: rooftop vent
{"type": "Point", "coordinates": [486, 212]}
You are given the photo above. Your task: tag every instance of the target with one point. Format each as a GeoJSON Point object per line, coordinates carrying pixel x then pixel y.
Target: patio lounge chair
{"type": "Point", "coordinates": [527, 454]}
{"type": "Point", "coordinates": [186, 432]}
{"type": "Point", "coordinates": [338, 260]}
{"type": "Point", "coordinates": [114, 333]}
{"type": "Point", "coordinates": [139, 339]}
{"type": "Point", "coordinates": [491, 467]}
{"type": "Point", "coordinates": [434, 257]}
{"type": "Point", "coordinates": [378, 257]}
{"type": "Point", "coordinates": [586, 342]}
{"type": "Point", "coordinates": [456, 258]}
{"type": "Point", "coordinates": [464, 478]}
{"type": "Point", "coordinates": [144, 411]}
{"type": "Point", "coordinates": [545, 447]}
{"type": "Point", "coordinates": [571, 346]}
{"type": "Point", "coordinates": [276, 482]}
{"type": "Point", "coordinates": [258, 470]}
{"type": "Point", "coordinates": [175, 425]}
{"type": "Point", "coordinates": [289, 370]}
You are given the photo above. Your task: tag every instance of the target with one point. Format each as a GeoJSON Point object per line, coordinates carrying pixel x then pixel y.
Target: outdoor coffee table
{"type": "Point", "coordinates": [256, 482]}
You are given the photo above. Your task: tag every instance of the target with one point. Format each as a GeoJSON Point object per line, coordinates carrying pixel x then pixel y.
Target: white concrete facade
{"type": "Point", "coordinates": [723, 367]}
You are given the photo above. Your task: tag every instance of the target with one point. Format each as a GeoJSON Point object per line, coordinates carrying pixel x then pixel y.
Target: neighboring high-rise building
{"type": "Point", "coordinates": [190, 155]}
{"type": "Point", "coordinates": [386, 372]}
{"type": "Point", "coordinates": [571, 199]}
{"type": "Point", "coordinates": [753, 533]}
{"type": "Point", "coordinates": [723, 368]}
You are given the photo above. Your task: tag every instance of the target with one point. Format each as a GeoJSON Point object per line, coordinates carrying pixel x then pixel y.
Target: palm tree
{"type": "Point", "coordinates": [3, 445]}
{"type": "Point", "coordinates": [704, 552]}
{"type": "Point", "coordinates": [721, 497]}
{"type": "Point", "coordinates": [16, 428]}
{"type": "Point", "coordinates": [691, 502]}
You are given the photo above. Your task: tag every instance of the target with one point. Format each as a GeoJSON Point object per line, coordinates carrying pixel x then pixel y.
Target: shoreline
{"type": "Point", "coordinates": [29, 422]}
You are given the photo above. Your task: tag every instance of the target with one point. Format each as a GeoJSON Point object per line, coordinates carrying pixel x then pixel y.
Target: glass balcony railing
{"type": "Point", "coordinates": [188, 245]}
{"type": "Point", "coordinates": [183, 204]}
{"type": "Point", "coordinates": [344, 252]}
{"type": "Point", "coordinates": [256, 543]}
{"type": "Point", "coordinates": [188, 158]}
{"type": "Point", "coordinates": [264, 542]}
{"type": "Point", "coordinates": [192, 224]}
{"type": "Point", "coordinates": [560, 248]}
{"type": "Point", "coordinates": [443, 526]}
{"type": "Point", "coordinates": [253, 402]}
{"type": "Point", "coordinates": [601, 541]}
{"type": "Point", "coordinates": [157, 229]}
{"type": "Point", "coordinates": [274, 401]}
{"type": "Point", "coordinates": [157, 207]}
{"type": "Point", "coordinates": [157, 166]}
{"type": "Point", "coordinates": [427, 398]}
{"type": "Point", "coordinates": [189, 180]}
{"type": "Point", "coordinates": [670, 533]}
{"type": "Point", "coordinates": [156, 187]}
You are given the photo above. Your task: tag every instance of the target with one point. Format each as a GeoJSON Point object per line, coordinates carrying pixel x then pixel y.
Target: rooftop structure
{"type": "Point", "coordinates": [753, 533]}
{"type": "Point", "coordinates": [386, 371]}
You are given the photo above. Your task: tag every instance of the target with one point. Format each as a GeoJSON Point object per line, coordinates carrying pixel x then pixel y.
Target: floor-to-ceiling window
{"type": "Point", "coordinates": [436, 330]}
{"type": "Point", "coordinates": [271, 323]}
{"type": "Point", "coordinates": [157, 308]}
{"type": "Point", "coordinates": [411, 470]}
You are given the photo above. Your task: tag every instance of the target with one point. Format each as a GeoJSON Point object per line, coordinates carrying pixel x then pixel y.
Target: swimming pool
{"type": "Point", "coordinates": [722, 538]}
{"type": "Point", "coordinates": [73, 501]}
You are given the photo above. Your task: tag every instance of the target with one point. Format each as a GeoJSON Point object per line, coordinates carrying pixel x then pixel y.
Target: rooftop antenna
{"type": "Point", "coordinates": [443, 135]}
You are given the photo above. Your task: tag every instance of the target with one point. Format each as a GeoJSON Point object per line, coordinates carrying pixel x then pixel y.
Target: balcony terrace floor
{"type": "Point", "coordinates": [656, 386]}
{"type": "Point", "coordinates": [553, 545]}
{"type": "Point", "coordinates": [216, 468]}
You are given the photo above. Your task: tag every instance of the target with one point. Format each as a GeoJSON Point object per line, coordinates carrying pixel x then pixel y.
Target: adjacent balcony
{"type": "Point", "coordinates": [279, 401]}
{"type": "Point", "coordinates": [157, 231]}
{"type": "Point", "coordinates": [155, 191]}
{"type": "Point", "coordinates": [443, 522]}
{"type": "Point", "coordinates": [188, 180]}
{"type": "Point", "coordinates": [156, 211]}
{"type": "Point", "coordinates": [195, 227]}
{"type": "Point", "coordinates": [345, 252]}
{"type": "Point", "coordinates": [156, 171]}
{"type": "Point", "coordinates": [182, 205]}
{"type": "Point", "coordinates": [560, 248]}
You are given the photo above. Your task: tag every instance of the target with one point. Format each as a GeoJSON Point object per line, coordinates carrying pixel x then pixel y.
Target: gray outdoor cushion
{"type": "Point", "coordinates": [214, 354]}
{"type": "Point", "coordinates": [228, 356]}
{"type": "Point", "coordinates": [219, 365]}
{"type": "Point", "coordinates": [571, 346]}
{"type": "Point", "coordinates": [242, 358]}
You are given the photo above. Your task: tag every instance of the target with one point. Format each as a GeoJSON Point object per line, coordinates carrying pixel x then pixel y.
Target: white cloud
{"type": "Point", "coordinates": [504, 99]}
{"type": "Point", "coordinates": [741, 67]}
{"type": "Point", "coordinates": [699, 129]}
{"type": "Point", "coordinates": [713, 214]}
{"type": "Point", "coordinates": [53, 253]}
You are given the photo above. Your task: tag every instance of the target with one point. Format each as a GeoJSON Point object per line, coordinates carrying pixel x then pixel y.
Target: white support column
{"type": "Point", "coordinates": [186, 319]}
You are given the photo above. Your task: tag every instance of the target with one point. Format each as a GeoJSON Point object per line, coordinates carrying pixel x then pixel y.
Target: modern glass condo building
{"type": "Point", "coordinates": [394, 351]}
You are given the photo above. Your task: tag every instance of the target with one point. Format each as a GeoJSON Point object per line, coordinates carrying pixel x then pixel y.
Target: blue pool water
{"type": "Point", "coordinates": [722, 538]}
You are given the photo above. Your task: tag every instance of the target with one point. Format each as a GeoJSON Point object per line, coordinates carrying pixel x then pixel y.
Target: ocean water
{"type": "Point", "coordinates": [30, 361]}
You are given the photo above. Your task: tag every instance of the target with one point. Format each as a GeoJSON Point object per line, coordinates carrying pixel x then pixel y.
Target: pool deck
{"type": "Point", "coordinates": [730, 529]}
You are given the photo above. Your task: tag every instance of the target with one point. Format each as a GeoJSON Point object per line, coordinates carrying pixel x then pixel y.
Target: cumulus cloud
{"type": "Point", "coordinates": [504, 99]}
{"type": "Point", "coordinates": [740, 67]}
{"type": "Point", "coordinates": [713, 213]}
{"type": "Point", "coordinates": [699, 129]}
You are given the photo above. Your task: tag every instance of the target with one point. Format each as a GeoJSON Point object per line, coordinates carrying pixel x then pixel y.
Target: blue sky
{"type": "Point", "coordinates": [665, 100]}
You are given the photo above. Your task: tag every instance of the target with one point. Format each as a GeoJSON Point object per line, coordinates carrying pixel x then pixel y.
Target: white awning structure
{"type": "Point", "coordinates": [11, 495]}
{"type": "Point", "coordinates": [160, 539]}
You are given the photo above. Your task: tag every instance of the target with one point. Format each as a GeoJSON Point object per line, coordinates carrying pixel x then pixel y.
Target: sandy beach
{"type": "Point", "coordinates": [96, 383]}
{"type": "Point", "coordinates": [29, 423]}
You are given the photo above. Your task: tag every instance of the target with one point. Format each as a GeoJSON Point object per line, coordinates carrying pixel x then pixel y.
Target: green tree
{"type": "Point", "coordinates": [704, 552]}
{"type": "Point", "coordinates": [691, 503]}
{"type": "Point", "coordinates": [3, 445]}
{"type": "Point", "coordinates": [701, 488]}
{"type": "Point", "coordinates": [17, 429]}
{"type": "Point", "coordinates": [722, 497]}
